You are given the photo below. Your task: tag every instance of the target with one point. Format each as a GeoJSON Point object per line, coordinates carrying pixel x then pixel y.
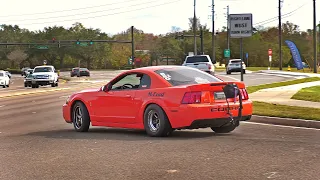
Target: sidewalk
{"type": "Point", "coordinates": [282, 95]}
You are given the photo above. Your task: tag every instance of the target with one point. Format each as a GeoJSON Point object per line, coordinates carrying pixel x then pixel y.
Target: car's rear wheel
{"type": "Point", "coordinates": [228, 72]}
{"type": "Point", "coordinates": [80, 117]}
{"type": "Point", "coordinates": [224, 129]}
{"type": "Point", "coordinates": [156, 122]}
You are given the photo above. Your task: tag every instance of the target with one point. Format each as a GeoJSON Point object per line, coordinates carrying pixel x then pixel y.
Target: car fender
{"type": "Point", "coordinates": [158, 102]}
{"type": "Point", "coordinates": [78, 97]}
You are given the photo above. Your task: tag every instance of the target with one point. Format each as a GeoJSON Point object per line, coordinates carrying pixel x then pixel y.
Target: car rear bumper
{"type": "Point", "coordinates": [66, 110]}
{"type": "Point", "coordinates": [235, 69]}
{"type": "Point", "coordinates": [205, 115]}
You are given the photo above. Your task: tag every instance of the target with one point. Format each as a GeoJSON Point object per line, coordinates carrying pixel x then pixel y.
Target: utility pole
{"type": "Point", "coordinates": [280, 39]}
{"type": "Point", "coordinates": [194, 28]}
{"type": "Point", "coordinates": [132, 46]}
{"type": "Point", "coordinates": [228, 33]}
{"type": "Point", "coordinates": [314, 38]}
{"type": "Point", "coordinates": [213, 34]}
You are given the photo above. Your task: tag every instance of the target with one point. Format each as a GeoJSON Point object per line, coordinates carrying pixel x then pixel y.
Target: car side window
{"type": "Point", "coordinates": [131, 81]}
{"type": "Point", "coordinates": [145, 82]}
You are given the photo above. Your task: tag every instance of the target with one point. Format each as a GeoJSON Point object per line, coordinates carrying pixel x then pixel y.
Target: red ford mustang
{"type": "Point", "coordinates": [160, 99]}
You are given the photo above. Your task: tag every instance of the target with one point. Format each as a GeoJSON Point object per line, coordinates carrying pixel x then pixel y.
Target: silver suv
{"type": "Point", "coordinates": [234, 65]}
{"type": "Point", "coordinates": [201, 62]}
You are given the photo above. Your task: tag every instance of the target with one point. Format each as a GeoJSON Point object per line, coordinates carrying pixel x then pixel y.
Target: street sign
{"type": "Point", "coordinates": [44, 62]}
{"type": "Point", "coordinates": [240, 25]}
{"type": "Point", "coordinates": [270, 52]}
{"type": "Point", "coordinates": [226, 53]}
{"type": "Point", "coordinates": [130, 61]}
{"type": "Point", "coordinates": [247, 55]}
{"type": "Point", "coordinates": [42, 47]}
{"type": "Point", "coordinates": [83, 44]}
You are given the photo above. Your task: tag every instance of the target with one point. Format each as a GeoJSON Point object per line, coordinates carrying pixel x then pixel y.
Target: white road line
{"type": "Point", "coordinates": [292, 127]}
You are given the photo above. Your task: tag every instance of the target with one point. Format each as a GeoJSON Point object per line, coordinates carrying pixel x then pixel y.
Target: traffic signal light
{"type": "Point", "coordinates": [53, 40]}
{"type": "Point", "coordinates": [78, 42]}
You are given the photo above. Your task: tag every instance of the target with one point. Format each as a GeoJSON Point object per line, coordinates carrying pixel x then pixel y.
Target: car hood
{"type": "Point", "coordinates": [43, 73]}
{"type": "Point", "coordinates": [90, 90]}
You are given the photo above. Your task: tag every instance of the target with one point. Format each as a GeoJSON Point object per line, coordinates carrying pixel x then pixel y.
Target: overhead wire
{"type": "Point", "coordinates": [111, 14]}
{"type": "Point", "coordinates": [66, 10]}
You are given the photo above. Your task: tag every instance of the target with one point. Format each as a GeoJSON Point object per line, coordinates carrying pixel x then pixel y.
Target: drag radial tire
{"type": "Point", "coordinates": [80, 117]}
{"type": "Point", "coordinates": [156, 122]}
{"type": "Point", "coordinates": [224, 129]}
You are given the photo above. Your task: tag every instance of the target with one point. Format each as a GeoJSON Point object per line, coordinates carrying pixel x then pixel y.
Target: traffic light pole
{"type": "Point", "coordinates": [201, 38]}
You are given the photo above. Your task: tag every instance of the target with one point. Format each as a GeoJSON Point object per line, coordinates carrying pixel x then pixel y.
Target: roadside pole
{"type": "Point", "coordinates": [240, 27]}
{"type": "Point", "coordinates": [241, 57]}
{"type": "Point", "coordinates": [270, 58]}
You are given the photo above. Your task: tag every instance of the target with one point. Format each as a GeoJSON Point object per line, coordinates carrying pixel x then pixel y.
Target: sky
{"type": "Point", "coordinates": [151, 16]}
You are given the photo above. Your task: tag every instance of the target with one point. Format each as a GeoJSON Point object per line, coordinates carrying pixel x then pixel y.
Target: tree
{"type": "Point", "coordinates": [16, 57]}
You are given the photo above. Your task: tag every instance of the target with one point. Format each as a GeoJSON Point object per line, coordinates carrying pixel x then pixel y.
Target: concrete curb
{"type": "Point", "coordinates": [285, 121]}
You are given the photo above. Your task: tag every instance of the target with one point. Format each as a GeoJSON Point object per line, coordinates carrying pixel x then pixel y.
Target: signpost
{"type": "Point", "coordinates": [130, 61]}
{"type": "Point", "coordinates": [247, 58]}
{"type": "Point", "coordinates": [240, 27]}
{"type": "Point", "coordinates": [44, 62]}
{"type": "Point", "coordinates": [226, 53]}
{"type": "Point", "coordinates": [270, 58]}
{"type": "Point", "coordinates": [42, 47]}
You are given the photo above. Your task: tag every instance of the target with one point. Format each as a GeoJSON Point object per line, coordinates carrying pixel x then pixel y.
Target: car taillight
{"type": "Point", "coordinates": [209, 66]}
{"type": "Point", "coordinates": [192, 98]}
{"type": "Point", "coordinates": [244, 94]}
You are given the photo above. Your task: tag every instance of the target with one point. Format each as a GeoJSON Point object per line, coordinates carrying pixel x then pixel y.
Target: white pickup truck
{"type": "Point", "coordinates": [201, 62]}
{"type": "Point", "coordinates": [44, 75]}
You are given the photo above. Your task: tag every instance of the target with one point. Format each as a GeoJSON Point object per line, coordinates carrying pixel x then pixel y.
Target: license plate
{"type": "Point", "coordinates": [219, 96]}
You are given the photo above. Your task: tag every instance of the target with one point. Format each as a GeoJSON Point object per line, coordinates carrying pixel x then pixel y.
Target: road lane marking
{"type": "Point", "coordinates": [292, 127]}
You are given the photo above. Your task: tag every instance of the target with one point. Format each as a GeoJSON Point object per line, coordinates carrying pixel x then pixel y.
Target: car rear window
{"type": "Point", "coordinates": [195, 59]}
{"type": "Point", "coordinates": [186, 76]}
{"type": "Point", "coordinates": [83, 69]}
{"type": "Point", "coordinates": [235, 61]}
{"type": "Point", "coordinates": [43, 69]}
{"type": "Point", "coordinates": [1, 74]}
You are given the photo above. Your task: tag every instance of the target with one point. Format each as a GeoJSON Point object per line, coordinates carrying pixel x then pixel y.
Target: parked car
{"type": "Point", "coordinates": [28, 80]}
{"type": "Point", "coordinates": [74, 72]}
{"type": "Point", "coordinates": [8, 74]}
{"type": "Point", "coordinates": [201, 62]}
{"type": "Point", "coordinates": [234, 65]}
{"type": "Point", "coordinates": [79, 72]}
{"type": "Point", "coordinates": [4, 79]}
{"type": "Point", "coordinates": [24, 71]}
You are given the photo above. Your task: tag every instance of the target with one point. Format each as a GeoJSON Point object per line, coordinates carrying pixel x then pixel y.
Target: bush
{"type": "Point", "coordinates": [13, 71]}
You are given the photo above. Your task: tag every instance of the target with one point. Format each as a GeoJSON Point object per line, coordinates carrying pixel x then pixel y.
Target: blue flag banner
{"type": "Point", "coordinates": [295, 54]}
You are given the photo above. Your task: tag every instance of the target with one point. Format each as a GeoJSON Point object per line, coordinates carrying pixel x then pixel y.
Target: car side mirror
{"type": "Point", "coordinates": [106, 88]}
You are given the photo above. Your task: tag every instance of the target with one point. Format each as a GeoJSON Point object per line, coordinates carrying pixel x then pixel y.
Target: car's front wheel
{"type": "Point", "coordinates": [80, 117]}
{"type": "Point", "coordinates": [156, 122]}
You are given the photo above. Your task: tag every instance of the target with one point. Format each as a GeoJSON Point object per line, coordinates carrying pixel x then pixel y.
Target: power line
{"type": "Point", "coordinates": [54, 17]}
{"type": "Point", "coordinates": [50, 12]}
{"type": "Point", "coordinates": [276, 17]}
{"type": "Point", "coordinates": [111, 14]}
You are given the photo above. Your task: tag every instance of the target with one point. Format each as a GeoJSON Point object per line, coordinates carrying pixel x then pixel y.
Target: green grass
{"type": "Point", "coordinates": [308, 94]}
{"type": "Point", "coordinates": [276, 110]}
{"type": "Point", "coordinates": [252, 89]}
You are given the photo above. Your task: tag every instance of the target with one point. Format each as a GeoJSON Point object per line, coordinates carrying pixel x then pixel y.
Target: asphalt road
{"type": "Point", "coordinates": [36, 143]}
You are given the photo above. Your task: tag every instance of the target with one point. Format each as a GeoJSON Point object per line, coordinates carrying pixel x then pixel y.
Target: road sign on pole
{"type": "Point", "coordinates": [270, 52]}
{"type": "Point", "coordinates": [42, 47]}
{"type": "Point", "coordinates": [240, 25]}
{"type": "Point", "coordinates": [130, 61]}
{"type": "Point", "coordinates": [247, 55]}
{"type": "Point", "coordinates": [44, 62]}
{"type": "Point", "coordinates": [270, 59]}
{"type": "Point", "coordinates": [226, 53]}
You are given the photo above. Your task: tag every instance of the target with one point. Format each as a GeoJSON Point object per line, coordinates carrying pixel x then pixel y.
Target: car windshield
{"type": "Point", "coordinates": [43, 69]}
{"type": "Point", "coordinates": [195, 59]}
{"type": "Point", "coordinates": [29, 76]}
{"type": "Point", "coordinates": [75, 69]}
{"type": "Point", "coordinates": [186, 76]}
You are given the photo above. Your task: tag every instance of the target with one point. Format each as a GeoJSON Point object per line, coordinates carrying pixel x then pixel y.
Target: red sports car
{"type": "Point", "coordinates": [161, 99]}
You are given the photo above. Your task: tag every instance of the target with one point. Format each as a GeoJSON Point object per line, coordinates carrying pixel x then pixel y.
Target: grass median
{"type": "Point", "coordinates": [308, 94]}
{"type": "Point", "coordinates": [252, 89]}
{"type": "Point", "coordinates": [284, 111]}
